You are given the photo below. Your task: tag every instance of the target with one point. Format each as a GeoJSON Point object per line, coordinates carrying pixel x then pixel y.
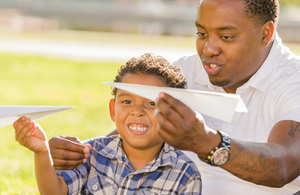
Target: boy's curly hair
{"type": "Point", "coordinates": [149, 64]}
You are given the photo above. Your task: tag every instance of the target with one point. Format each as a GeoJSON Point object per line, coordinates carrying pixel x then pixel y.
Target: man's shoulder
{"type": "Point", "coordinates": [191, 59]}
{"type": "Point", "coordinates": [192, 67]}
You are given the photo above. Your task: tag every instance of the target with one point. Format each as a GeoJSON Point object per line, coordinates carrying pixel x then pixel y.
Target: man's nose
{"type": "Point", "coordinates": [211, 47]}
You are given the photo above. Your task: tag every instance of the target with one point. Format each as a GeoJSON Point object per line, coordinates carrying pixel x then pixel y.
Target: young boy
{"type": "Point", "coordinates": [135, 162]}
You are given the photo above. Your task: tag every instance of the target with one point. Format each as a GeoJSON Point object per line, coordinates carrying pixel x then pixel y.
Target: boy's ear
{"type": "Point", "coordinates": [112, 109]}
{"type": "Point", "coordinates": [268, 32]}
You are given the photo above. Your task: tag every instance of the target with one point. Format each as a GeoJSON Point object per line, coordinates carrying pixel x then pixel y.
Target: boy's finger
{"type": "Point", "coordinates": [22, 128]}
{"type": "Point", "coordinates": [17, 122]}
{"type": "Point", "coordinates": [25, 133]}
{"type": "Point", "coordinates": [25, 139]}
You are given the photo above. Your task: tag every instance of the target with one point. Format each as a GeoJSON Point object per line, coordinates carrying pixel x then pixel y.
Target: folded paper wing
{"type": "Point", "coordinates": [218, 105]}
{"type": "Point", "coordinates": [9, 114]}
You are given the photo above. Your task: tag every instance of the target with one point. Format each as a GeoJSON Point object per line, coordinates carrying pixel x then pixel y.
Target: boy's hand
{"type": "Point", "coordinates": [30, 135]}
{"type": "Point", "coordinates": [68, 152]}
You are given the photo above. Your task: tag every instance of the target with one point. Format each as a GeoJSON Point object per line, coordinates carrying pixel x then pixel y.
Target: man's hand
{"type": "Point", "coordinates": [182, 128]}
{"type": "Point", "coordinates": [273, 164]}
{"type": "Point", "coordinates": [68, 152]}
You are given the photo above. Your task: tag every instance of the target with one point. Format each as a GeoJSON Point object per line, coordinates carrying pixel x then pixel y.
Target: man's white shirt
{"type": "Point", "coordinates": [271, 95]}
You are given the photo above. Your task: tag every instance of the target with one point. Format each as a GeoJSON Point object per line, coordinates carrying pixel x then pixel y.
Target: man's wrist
{"type": "Point", "coordinates": [219, 155]}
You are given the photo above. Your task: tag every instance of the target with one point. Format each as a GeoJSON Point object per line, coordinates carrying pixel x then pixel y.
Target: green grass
{"type": "Point", "coordinates": [33, 80]}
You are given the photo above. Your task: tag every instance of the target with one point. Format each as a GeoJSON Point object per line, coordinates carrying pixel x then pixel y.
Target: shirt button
{"type": "Point", "coordinates": [95, 187]}
{"type": "Point", "coordinates": [130, 176]}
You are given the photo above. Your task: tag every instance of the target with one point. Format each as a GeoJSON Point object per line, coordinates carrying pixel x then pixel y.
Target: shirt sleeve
{"type": "Point", "coordinates": [288, 102]}
{"type": "Point", "coordinates": [75, 178]}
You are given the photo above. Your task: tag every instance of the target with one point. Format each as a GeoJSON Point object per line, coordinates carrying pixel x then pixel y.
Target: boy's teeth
{"type": "Point", "coordinates": [213, 65]}
{"type": "Point", "coordinates": [137, 128]}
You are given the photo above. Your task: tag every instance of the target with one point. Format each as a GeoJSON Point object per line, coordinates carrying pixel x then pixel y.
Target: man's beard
{"type": "Point", "coordinates": [222, 83]}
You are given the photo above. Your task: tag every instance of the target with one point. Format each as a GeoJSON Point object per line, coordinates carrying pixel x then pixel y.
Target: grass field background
{"type": "Point", "coordinates": [34, 80]}
{"type": "Point", "coordinates": [37, 80]}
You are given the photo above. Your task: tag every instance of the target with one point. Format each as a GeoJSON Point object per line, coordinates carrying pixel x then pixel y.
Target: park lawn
{"type": "Point", "coordinates": [35, 80]}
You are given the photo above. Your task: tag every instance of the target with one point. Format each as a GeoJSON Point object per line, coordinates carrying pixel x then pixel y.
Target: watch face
{"type": "Point", "coordinates": [220, 156]}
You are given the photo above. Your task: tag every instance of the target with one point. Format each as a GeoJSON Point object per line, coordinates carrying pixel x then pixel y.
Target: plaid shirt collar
{"type": "Point", "coordinates": [166, 157]}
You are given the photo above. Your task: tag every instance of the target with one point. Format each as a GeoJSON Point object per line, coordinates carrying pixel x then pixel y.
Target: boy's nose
{"type": "Point", "coordinates": [137, 111]}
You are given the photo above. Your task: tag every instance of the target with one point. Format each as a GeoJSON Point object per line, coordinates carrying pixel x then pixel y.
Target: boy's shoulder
{"type": "Point", "coordinates": [101, 141]}
{"type": "Point", "coordinates": [182, 161]}
{"type": "Point", "coordinates": [178, 154]}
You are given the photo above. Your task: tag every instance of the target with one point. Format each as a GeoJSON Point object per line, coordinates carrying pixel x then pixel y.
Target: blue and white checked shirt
{"type": "Point", "coordinates": [109, 172]}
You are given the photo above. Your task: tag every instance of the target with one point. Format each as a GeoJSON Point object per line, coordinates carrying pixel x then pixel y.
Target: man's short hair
{"type": "Point", "coordinates": [262, 11]}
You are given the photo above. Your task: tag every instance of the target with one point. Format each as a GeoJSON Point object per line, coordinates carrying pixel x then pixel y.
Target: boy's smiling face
{"type": "Point", "coordinates": [134, 115]}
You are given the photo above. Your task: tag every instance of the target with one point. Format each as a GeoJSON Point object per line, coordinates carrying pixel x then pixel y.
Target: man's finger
{"type": "Point", "coordinates": [164, 124]}
{"type": "Point", "coordinates": [67, 155]}
{"type": "Point", "coordinates": [74, 139]}
{"type": "Point", "coordinates": [177, 112]}
{"type": "Point", "coordinates": [65, 144]}
{"type": "Point", "coordinates": [167, 114]}
{"type": "Point", "coordinates": [183, 110]}
{"type": "Point", "coordinates": [164, 134]}
{"type": "Point", "coordinates": [60, 164]}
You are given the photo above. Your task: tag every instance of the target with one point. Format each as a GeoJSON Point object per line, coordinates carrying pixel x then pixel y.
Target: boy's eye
{"type": "Point", "coordinates": [151, 104]}
{"type": "Point", "coordinates": [127, 102]}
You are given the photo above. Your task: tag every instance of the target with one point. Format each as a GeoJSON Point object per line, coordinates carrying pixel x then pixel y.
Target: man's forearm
{"type": "Point", "coordinates": [259, 163]}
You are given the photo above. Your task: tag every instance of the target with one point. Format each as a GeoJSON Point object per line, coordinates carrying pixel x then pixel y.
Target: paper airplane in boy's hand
{"type": "Point", "coordinates": [9, 114]}
{"type": "Point", "coordinates": [217, 105]}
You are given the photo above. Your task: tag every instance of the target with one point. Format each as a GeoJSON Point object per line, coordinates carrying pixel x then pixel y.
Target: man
{"type": "Point", "coordinates": [240, 52]}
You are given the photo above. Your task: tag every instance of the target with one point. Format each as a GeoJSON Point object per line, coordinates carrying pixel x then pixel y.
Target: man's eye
{"type": "Point", "coordinates": [227, 38]}
{"type": "Point", "coordinates": [126, 102]}
{"type": "Point", "coordinates": [151, 103]}
{"type": "Point", "coordinates": [201, 34]}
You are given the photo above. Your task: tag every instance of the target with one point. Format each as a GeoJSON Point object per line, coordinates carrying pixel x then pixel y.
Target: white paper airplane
{"type": "Point", "coordinates": [218, 105]}
{"type": "Point", "coordinates": [9, 114]}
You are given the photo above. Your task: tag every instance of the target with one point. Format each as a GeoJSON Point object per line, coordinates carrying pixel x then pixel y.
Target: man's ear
{"type": "Point", "coordinates": [112, 109]}
{"type": "Point", "coordinates": [268, 32]}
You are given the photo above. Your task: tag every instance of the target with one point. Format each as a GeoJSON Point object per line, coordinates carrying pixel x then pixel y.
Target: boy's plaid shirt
{"type": "Point", "coordinates": [108, 171]}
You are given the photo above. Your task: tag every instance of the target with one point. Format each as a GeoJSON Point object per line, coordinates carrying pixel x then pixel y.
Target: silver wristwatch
{"type": "Point", "coordinates": [219, 155]}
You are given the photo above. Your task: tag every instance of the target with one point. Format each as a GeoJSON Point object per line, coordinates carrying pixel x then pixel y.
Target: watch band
{"type": "Point", "coordinates": [225, 144]}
